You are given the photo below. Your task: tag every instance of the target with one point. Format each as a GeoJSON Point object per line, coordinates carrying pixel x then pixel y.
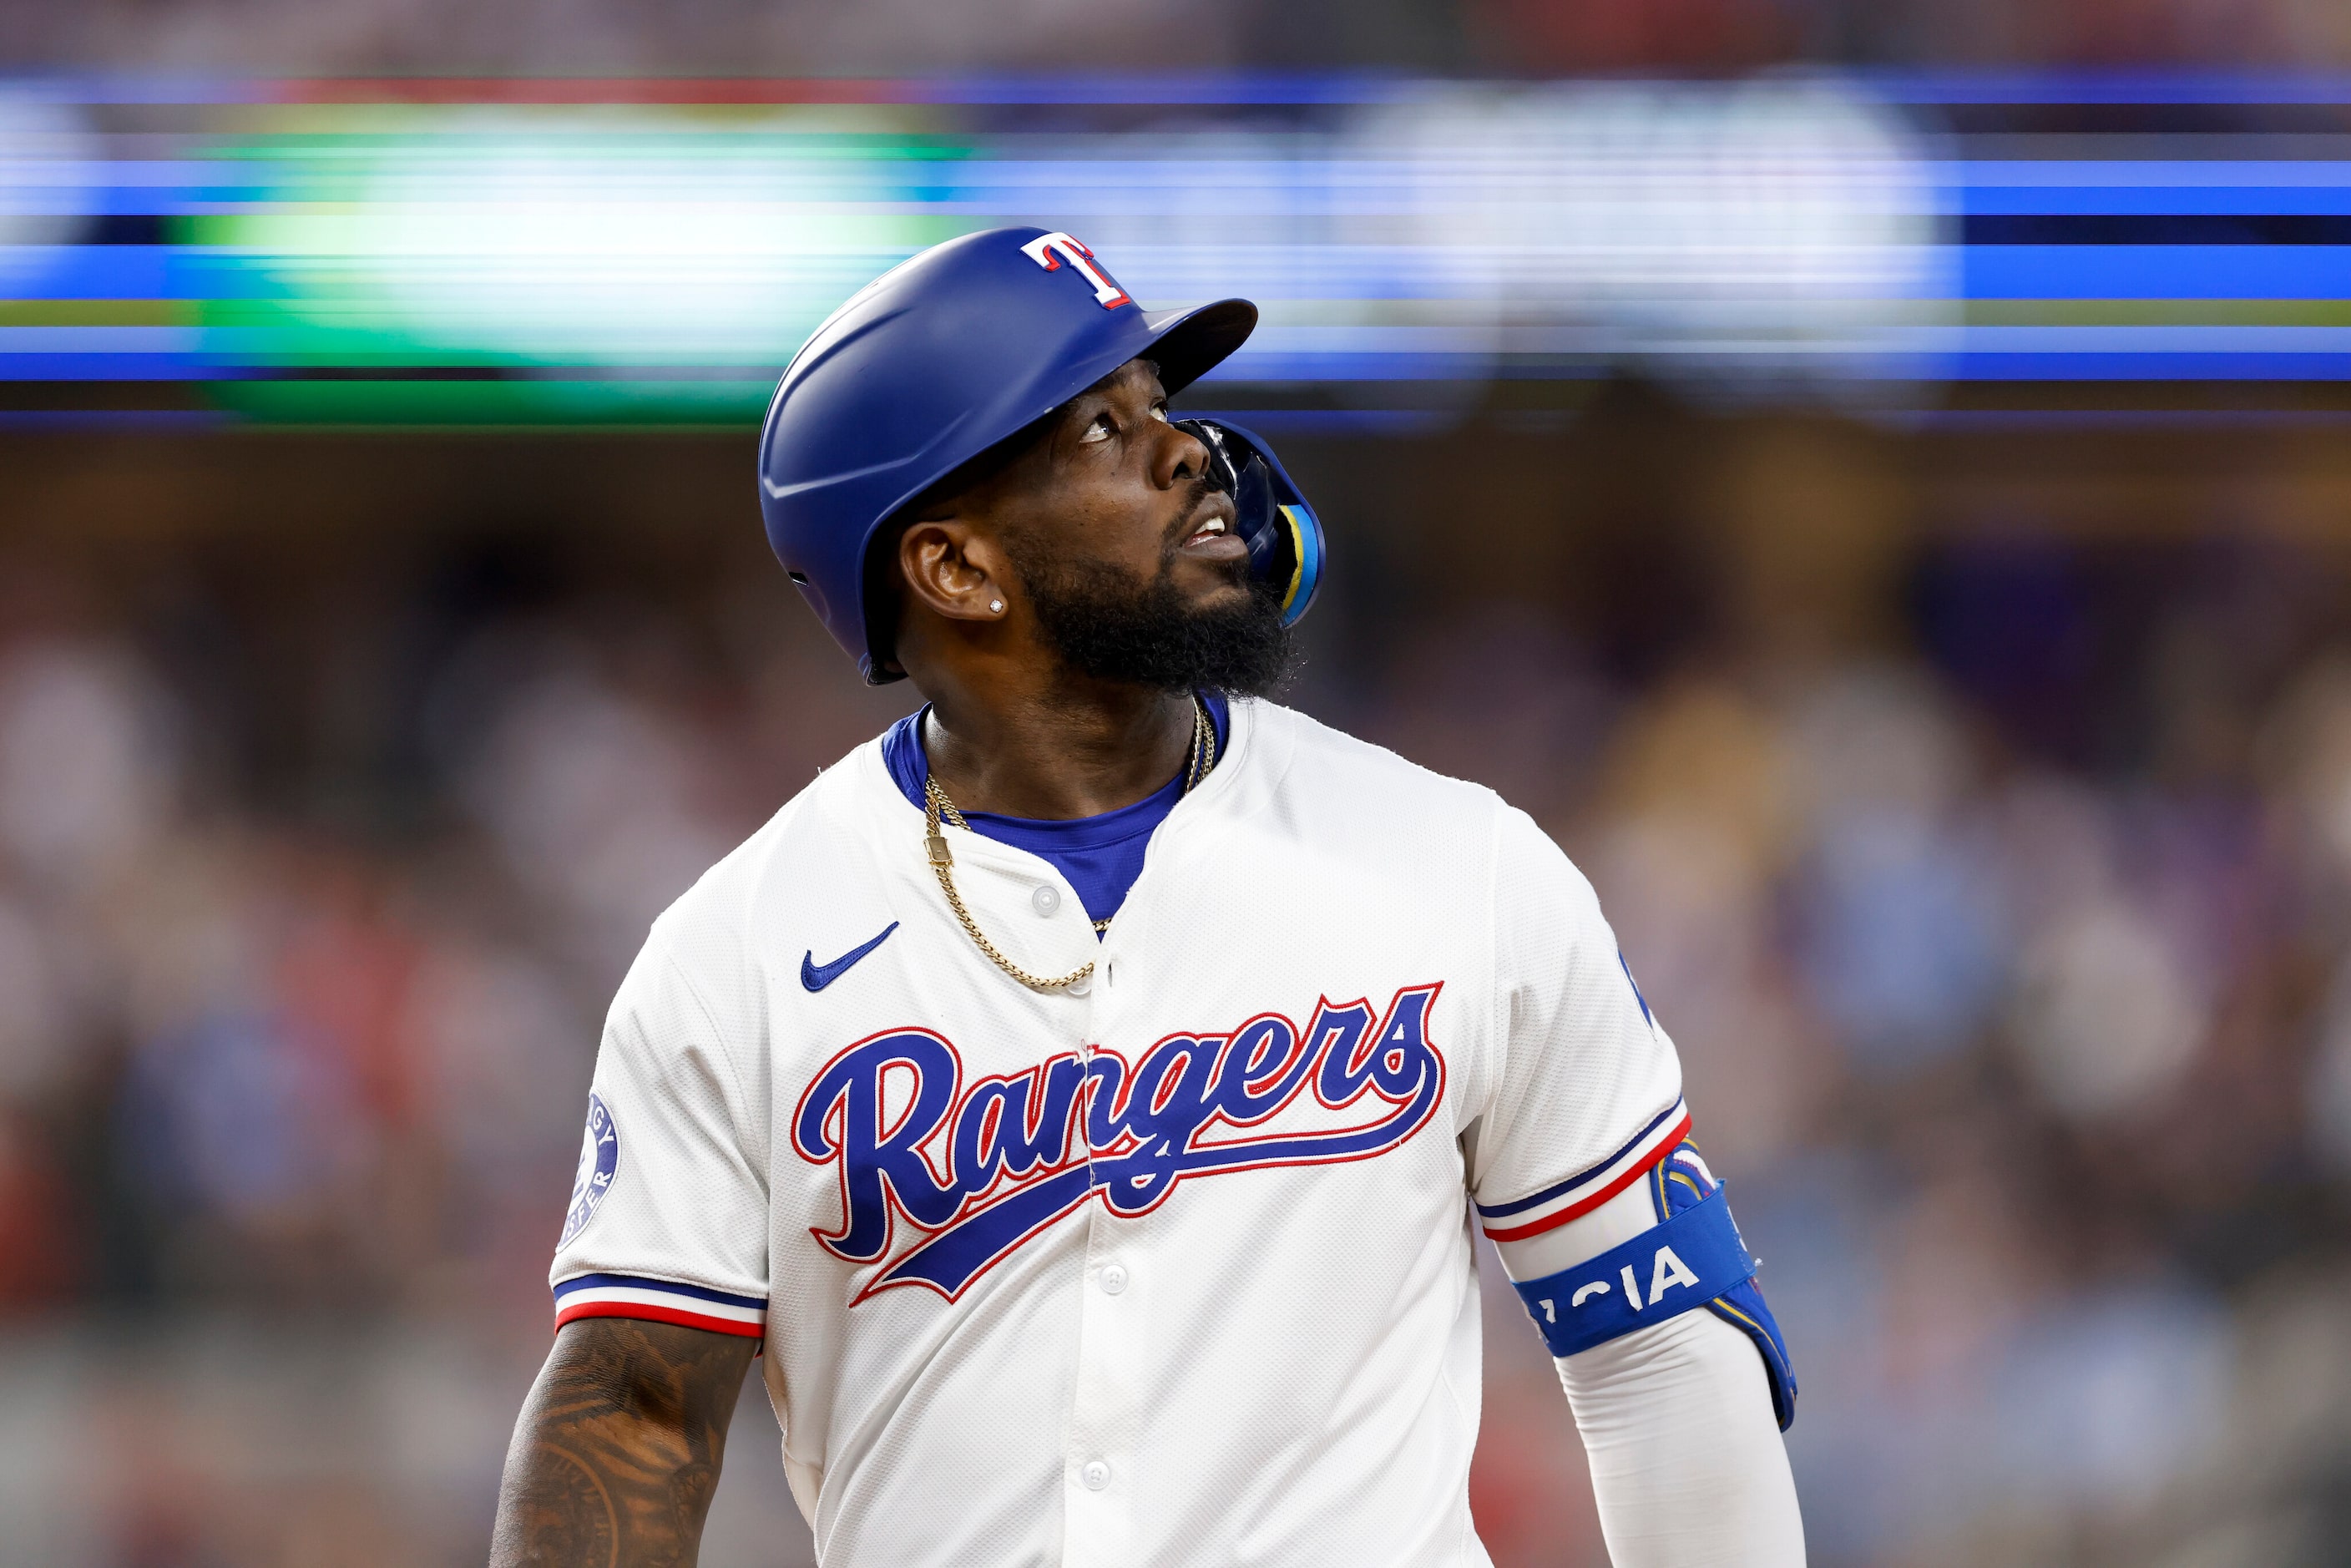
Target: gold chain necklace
{"type": "Point", "coordinates": [937, 807]}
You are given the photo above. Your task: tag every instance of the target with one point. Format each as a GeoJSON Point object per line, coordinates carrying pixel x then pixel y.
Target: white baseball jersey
{"type": "Point", "coordinates": [1174, 1268]}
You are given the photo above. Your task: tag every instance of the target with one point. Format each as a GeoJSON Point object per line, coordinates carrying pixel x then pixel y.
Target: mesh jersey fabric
{"type": "Point", "coordinates": [1342, 994]}
{"type": "Point", "coordinates": [1574, 1016]}
{"type": "Point", "coordinates": [1100, 856]}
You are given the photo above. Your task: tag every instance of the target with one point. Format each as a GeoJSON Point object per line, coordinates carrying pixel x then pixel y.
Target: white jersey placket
{"type": "Point", "coordinates": [1104, 1458]}
{"type": "Point", "coordinates": [1101, 1454]}
{"type": "Point", "coordinates": [1103, 1426]}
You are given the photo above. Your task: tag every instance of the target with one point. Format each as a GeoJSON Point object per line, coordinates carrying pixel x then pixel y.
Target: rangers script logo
{"type": "Point", "coordinates": [979, 1168]}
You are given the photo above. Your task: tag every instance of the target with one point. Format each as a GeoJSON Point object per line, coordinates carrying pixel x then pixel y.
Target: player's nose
{"type": "Point", "coordinates": [1179, 458]}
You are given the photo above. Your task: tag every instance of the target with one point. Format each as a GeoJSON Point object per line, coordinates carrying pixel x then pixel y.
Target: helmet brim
{"type": "Point", "coordinates": [1188, 344]}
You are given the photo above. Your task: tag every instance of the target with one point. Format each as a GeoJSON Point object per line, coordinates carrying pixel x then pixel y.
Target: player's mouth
{"type": "Point", "coordinates": [1211, 535]}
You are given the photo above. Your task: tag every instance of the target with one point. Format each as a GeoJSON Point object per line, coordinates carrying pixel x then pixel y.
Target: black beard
{"type": "Point", "coordinates": [1102, 623]}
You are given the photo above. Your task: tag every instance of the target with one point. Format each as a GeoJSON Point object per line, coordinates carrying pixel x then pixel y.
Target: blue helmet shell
{"type": "Point", "coordinates": [929, 365]}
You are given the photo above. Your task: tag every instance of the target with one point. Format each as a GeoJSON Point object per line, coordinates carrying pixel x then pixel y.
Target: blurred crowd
{"type": "Point", "coordinates": [1999, 918]}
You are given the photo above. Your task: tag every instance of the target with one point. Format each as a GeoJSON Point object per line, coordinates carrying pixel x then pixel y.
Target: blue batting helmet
{"type": "Point", "coordinates": [954, 350]}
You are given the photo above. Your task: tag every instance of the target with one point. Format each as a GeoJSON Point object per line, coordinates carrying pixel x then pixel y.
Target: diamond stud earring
{"type": "Point", "coordinates": [996, 605]}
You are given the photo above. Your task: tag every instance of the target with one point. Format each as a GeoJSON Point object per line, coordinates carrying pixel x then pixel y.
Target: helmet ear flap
{"type": "Point", "coordinates": [1305, 536]}
{"type": "Point", "coordinates": [877, 584]}
{"type": "Point", "coordinates": [1283, 535]}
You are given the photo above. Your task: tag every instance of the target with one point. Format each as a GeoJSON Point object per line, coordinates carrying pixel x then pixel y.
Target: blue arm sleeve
{"type": "Point", "coordinates": [1693, 1258]}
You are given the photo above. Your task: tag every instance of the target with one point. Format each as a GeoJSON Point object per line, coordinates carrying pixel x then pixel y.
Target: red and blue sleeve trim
{"type": "Point", "coordinates": [660, 1302]}
{"type": "Point", "coordinates": [1588, 1188]}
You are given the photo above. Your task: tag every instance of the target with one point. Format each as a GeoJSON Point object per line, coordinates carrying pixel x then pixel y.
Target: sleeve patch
{"type": "Point", "coordinates": [599, 1161]}
{"type": "Point", "coordinates": [661, 1301]}
{"type": "Point", "coordinates": [1588, 1188]}
{"type": "Point", "coordinates": [1646, 1016]}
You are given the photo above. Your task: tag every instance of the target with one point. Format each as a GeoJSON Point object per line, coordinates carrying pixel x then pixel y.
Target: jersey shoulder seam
{"type": "Point", "coordinates": [1263, 716]}
{"type": "Point", "coordinates": [1306, 730]}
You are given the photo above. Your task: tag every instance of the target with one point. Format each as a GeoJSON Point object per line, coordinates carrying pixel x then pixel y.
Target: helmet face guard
{"type": "Point", "coordinates": [1283, 535]}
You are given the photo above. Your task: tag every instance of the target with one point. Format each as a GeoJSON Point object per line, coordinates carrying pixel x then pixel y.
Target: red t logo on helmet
{"type": "Point", "coordinates": [1041, 250]}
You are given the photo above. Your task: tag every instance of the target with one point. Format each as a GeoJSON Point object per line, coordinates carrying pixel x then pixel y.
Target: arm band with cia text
{"type": "Point", "coordinates": [1687, 1261]}
{"type": "Point", "coordinates": [1694, 1256]}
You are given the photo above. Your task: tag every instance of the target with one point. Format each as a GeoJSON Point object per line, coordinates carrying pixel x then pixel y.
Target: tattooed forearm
{"type": "Point", "coordinates": [618, 1449]}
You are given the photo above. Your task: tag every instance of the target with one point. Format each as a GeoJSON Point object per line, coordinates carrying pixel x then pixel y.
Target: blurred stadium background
{"type": "Point", "coordinates": [1874, 479]}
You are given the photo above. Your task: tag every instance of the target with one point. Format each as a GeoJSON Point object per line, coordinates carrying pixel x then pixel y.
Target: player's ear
{"type": "Point", "coordinates": [954, 570]}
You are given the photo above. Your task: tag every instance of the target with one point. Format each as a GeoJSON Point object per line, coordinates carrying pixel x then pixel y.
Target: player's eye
{"type": "Point", "coordinates": [1099, 430]}
{"type": "Point", "coordinates": [1159, 411]}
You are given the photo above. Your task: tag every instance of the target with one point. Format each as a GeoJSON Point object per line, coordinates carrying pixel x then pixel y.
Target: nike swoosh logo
{"type": "Point", "coordinates": [816, 977]}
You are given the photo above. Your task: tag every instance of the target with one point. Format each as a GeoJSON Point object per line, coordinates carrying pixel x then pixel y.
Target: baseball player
{"type": "Point", "coordinates": [1084, 1092]}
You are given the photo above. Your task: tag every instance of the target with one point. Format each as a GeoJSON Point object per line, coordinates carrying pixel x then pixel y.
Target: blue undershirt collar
{"type": "Point", "coordinates": [1101, 856]}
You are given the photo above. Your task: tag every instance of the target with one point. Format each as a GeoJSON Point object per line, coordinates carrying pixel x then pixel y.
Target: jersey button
{"type": "Point", "coordinates": [1047, 898]}
{"type": "Point", "coordinates": [1095, 1475]}
{"type": "Point", "coordinates": [1113, 1278]}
